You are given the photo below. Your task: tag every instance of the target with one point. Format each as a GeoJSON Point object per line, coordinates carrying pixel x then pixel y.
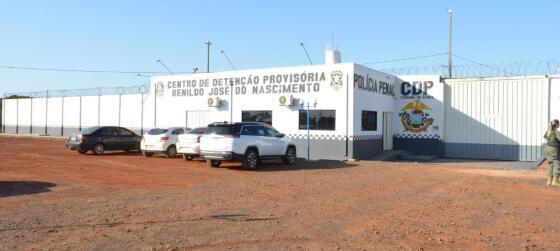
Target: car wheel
{"type": "Point", "coordinates": [290, 158]}
{"type": "Point", "coordinates": [82, 151]}
{"type": "Point", "coordinates": [147, 154]}
{"type": "Point", "coordinates": [213, 163]}
{"type": "Point", "coordinates": [98, 149]}
{"type": "Point", "coordinates": [251, 159]}
{"type": "Point", "coordinates": [171, 152]}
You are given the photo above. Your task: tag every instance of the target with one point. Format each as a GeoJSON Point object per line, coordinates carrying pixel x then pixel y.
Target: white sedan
{"type": "Point", "coordinates": [189, 143]}
{"type": "Point", "coordinates": [160, 140]}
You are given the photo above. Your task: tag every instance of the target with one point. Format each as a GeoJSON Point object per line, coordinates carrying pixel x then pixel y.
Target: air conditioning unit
{"type": "Point", "coordinates": [214, 102]}
{"type": "Point", "coordinates": [286, 100]}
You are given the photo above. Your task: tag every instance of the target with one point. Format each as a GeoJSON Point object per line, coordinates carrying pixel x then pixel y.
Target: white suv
{"type": "Point", "coordinates": [248, 142]}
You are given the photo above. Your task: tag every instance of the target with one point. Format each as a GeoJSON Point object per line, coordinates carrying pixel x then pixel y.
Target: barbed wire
{"type": "Point", "coordinates": [405, 59]}
{"type": "Point", "coordinates": [12, 67]}
{"type": "Point", "coordinates": [475, 69]}
{"type": "Point", "coordinates": [506, 69]}
{"type": "Point", "coordinates": [99, 91]}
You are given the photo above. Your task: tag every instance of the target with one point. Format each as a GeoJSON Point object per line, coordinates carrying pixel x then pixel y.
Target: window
{"type": "Point", "coordinates": [157, 131]}
{"type": "Point", "coordinates": [318, 120]}
{"type": "Point", "coordinates": [89, 130]}
{"type": "Point", "coordinates": [107, 131]}
{"type": "Point", "coordinates": [199, 130]}
{"type": "Point", "coordinates": [254, 131]}
{"type": "Point", "coordinates": [369, 121]}
{"type": "Point", "coordinates": [178, 131]}
{"type": "Point", "coordinates": [257, 116]}
{"type": "Point", "coordinates": [261, 131]}
{"type": "Point", "coordinates": [220, 129]}
{"type": "Point", "coordinates": [125, 132]}
{"type": "Point", "coordinates": [249, 131]}
{"type": "Point", "coordinates": [271, 132]}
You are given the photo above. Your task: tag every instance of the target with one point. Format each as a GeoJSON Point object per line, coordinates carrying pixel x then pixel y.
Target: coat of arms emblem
{"type": "Point", "coordinates": [414, 117]}
{"type": "Point", "coordinates": [336, 80]}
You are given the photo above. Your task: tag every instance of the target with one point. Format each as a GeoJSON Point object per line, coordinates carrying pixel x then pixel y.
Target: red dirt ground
{"type": "Point", "coordinates": [53, 198]}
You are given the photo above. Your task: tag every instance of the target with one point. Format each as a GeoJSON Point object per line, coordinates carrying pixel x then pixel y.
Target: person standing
{"type": "Point", "coordinates": [552, 137]}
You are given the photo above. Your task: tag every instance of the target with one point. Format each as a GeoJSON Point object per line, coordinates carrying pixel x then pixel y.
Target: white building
{"type": "Point", "coordinates": [355, 112]}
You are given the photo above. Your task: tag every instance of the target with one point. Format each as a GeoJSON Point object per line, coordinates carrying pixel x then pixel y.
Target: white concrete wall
{"type": "Point", "coordinates": [109, 110]}
{"type": "Point", "coordinates": [555, 97]}
{"type": "Point", "coordinates": [428, 90]}
{"type": "Point", "coordinates": [54, 116]}
{"type": "Point", "coordinates": [371, 96]}
{"type": "Point", "coordinates": [39, 118]}
{"type": "Point", "coordinates": [10, 114]}
{"type": "Point", "coordinates": [89, 111]}
{"type": "Point", "coordinates": [71, 112]}
{"type": "Point", "coordinates": [171, 109]}
{"type": "Point", "coordinates": [131, 111]}
{"type": "Point", "coordinates": [24, 119]}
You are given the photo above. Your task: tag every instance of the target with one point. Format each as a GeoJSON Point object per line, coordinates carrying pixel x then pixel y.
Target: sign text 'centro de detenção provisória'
{"type": "Point", "coordinates": [291, 83]}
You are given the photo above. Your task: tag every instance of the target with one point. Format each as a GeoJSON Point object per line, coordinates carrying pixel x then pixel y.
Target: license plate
{"type": "Point", "coordinates": [73, 138]}
{"type": "Point", "coordinates": [149, 147]}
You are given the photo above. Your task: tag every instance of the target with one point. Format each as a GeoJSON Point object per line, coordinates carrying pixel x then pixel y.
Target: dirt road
{"type": "Point", "coordinates": [53, 198]}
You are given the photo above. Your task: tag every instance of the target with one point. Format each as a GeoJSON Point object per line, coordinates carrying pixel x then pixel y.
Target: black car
{"type": "Point", "coordinates": [101, 138]}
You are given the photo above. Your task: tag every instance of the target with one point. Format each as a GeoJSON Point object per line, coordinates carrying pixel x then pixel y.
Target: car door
{"type": "Point", "coordinates": [175, 134]}
{"type": "Point", "coordinates": [120, 138]}
{"type": "Point", "coordinates": [276, 144]}
{"type": "Point", "coordinates": [128, 140]}
{"type": "Point", "coordinates": [264, 141]}
{"type": "Point", "coordinates": [249, 137]}
{"type": "Point", "coordinates": [109, 138]}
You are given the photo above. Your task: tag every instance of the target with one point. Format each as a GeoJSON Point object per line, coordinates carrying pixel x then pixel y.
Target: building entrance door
{"type": "Point", "coordinates": [387, 131]}
{"type": "Point", "coordinates": [194, 119]}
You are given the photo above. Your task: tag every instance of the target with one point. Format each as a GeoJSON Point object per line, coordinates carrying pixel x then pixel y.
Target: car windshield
{"type": "Point", "coordinates": [89, 130]}
{"type": "Point", "coordinates": [157, 131]}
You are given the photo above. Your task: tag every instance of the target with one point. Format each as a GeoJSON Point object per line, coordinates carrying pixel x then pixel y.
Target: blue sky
{"type": "Point", "coordinates": [132, 35]}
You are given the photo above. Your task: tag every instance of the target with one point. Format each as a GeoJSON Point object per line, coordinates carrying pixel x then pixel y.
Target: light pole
{"type": "Point", "coordinates": [165, 66]}
{"type": "Point", "coordinates": [229, 61]}
{"type": "Point", "coordinates": [304, 49]}
{"type": "Point", "coordinates": [208, 44]}
{"type": "Point", "coordinates": [231, 101]}
{"type": "Point", "coordinates": [307, 106]}
{"type": "Point", "coordinates": [449, 66]}
{"type": "Point", "coordinates": [142, 75]}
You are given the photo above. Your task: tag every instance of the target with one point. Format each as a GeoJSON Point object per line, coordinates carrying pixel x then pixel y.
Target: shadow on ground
{"type": "Point", "coordinates": [493, 164]}
{"type": "Point", "coordinates": [301, 164]}
{"type": "Point", "coordinates": [16, 188]}
{"type": "Point", "coordinates": [115, 153]}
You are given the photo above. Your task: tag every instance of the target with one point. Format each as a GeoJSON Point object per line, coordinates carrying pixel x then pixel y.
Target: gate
{"type": "Point", "coordinates": [496, 118]}
{"type": "Point", "coordinates": [387, 131]}
{"type": "Point", "coordinates": [194, 119]}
